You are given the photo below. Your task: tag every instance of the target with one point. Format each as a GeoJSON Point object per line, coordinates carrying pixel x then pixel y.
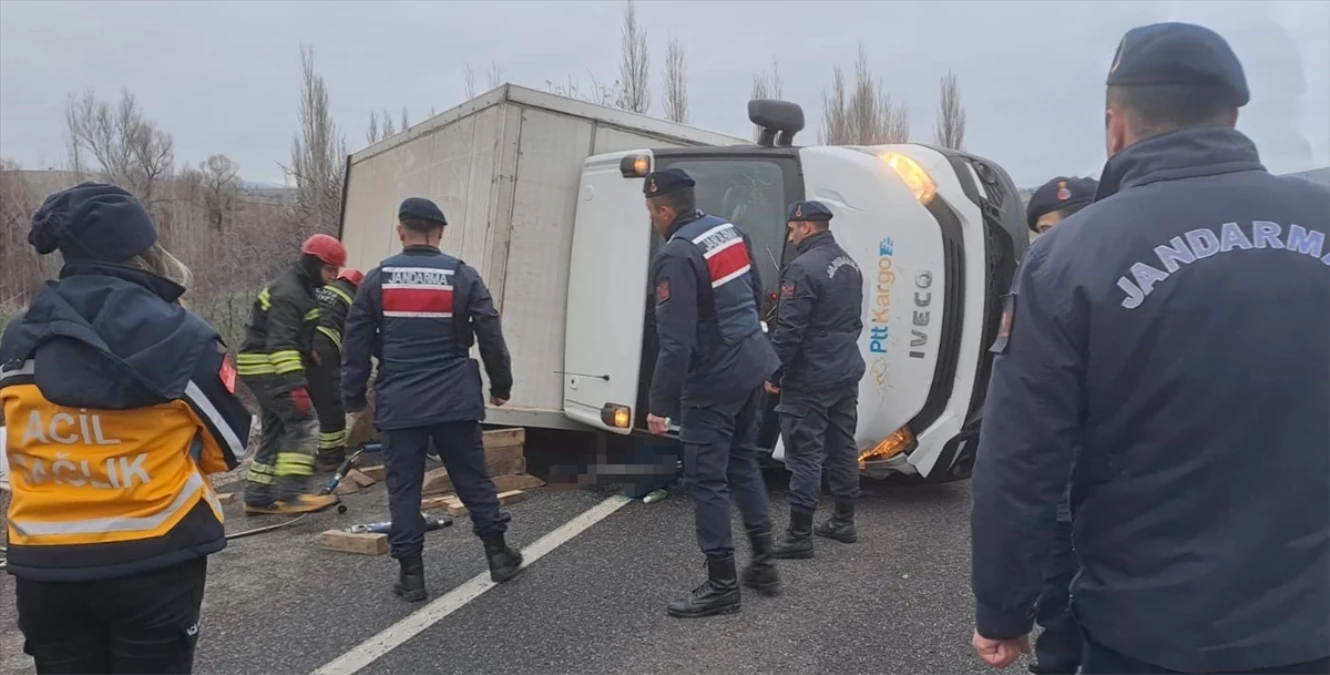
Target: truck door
{"type": "Point", "coordinates": [607, 291]}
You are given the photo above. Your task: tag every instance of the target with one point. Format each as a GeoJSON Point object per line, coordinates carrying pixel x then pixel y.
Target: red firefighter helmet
{"type": "Point", "coordinates": [352, 275]}
{"type": "Point", "coordinates": [325, 248]}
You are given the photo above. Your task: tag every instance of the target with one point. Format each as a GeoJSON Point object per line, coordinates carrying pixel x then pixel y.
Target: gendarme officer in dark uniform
{"type": "Point", "coordinates": [420, 311]}
{"type": "Point", "coordinates": [1173, 339]}
{"type": "Point", "coordinates": [712, 362]}
{"type": "Point", "coordinates": [819, 319]}
{"type": "Point", "coordinates": [1056, 200]}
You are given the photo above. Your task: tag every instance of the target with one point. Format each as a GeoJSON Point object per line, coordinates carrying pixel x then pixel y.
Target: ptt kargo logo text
{"type": "Point", "coordinates": [880, 306]}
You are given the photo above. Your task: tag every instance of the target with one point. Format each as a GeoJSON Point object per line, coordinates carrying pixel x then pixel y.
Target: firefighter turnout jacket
{"type": "Point", "coordinates": [334, 302]}
{"type": "Point", "coordinates": [281, 329]}
{"type": "Point", "coordinates": [118, 403]}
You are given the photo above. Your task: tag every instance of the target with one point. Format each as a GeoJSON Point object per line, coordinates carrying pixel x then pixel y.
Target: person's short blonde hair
{"type": "Point", "coordinates": [159, 261]}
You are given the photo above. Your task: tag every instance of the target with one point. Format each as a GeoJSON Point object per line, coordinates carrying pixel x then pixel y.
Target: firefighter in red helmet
{"type": "Point", "coordinates": [325, 374]}
{"type": "Point", "coordinates": [278, 344]}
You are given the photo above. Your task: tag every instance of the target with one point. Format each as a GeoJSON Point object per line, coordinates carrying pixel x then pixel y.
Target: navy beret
{"type": "Point", "coordinates": [419, 208]}
{"type": "Point", "coordinates": [1060, 193]}
{"type": "Point", "coordinates": [1178, 53]}
{"type": "Point", "coordinates": [93, 222]}
{"type": "Point", "coordinates": [811, 211]}
{"type": "Point", "coordinates": [664, 182]}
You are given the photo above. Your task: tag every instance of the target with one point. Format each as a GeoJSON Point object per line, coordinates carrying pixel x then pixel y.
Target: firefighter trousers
{"type": "Point", "coordinates": [325, 391]}
{"type": "Point", "coordinates": [146, 623]}
{"type": "Point", "coordinates": [284, 463]}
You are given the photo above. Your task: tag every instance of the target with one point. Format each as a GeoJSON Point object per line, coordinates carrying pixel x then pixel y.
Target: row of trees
{"type": "Point", "coordinates": [235, 239]}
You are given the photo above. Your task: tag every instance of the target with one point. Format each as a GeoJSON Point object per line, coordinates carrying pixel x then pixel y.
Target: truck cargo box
{"type": "Point", "coordinates": [505, 168]}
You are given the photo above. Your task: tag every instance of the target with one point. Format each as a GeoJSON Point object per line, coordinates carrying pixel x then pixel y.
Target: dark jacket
{"type": "Point", "coordinates": [280, 332]}
{"type": "Point", "coordinates": [334, 302]}
{"type": "Point", "coordinates": [711, 343]}
{"type": "Point", "coordinates": [1176, 332]}
{"type": "Point", "coordinates": [119, 403]}
{"type": "Point", "coordinates": [819, 318]}
{"type": "Point", "coordinates": [420, 312]}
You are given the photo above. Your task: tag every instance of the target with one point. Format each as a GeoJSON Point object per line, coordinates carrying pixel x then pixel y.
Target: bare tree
{"type": "Point", "coordinates": [496, 75]}
{"type": "Point", "coordinates": [129, 149]}
{"type": "Point", "coordinates": [220, 183]}
{"type": "Point", "coordinates": [868, 116]}
{"type": "Point", "coordinates": [387, 129]}
{"type": "Point", "coordinates": [405, 121]}
{"type": "Point", "coordinates": [634, 64]}
{"type": "Point", "coordinates": [676, 83]}
{"type": "Point", "coordinates": [598, 93]}
{"type": "Point", "coordinates": [317, 153]}
{"type": "Point", "coordinates": [372, 134]}
{"type": "Point", "coordinates": [766, 85]}
{"type": "Point", "coordinates": [469, 81]}
{"type": "Point", "coordinates": [950, 130]}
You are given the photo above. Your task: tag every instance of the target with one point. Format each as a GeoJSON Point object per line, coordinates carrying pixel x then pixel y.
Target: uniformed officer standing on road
{"type": "Point", "coordinates": [709, 372]}
{"type": "Point", "coordinates": [819, 319]}
{"type": "Point", "coordinates": [1056, 200]}
{"type": "Point", "coordinates": [1173, 337]}
{"type": "Point", "coordinates": [1058, 648]}
{"type": "Point", "coordinates": [424, 309]}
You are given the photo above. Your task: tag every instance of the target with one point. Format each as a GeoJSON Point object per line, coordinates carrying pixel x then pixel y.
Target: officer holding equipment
{"type": "Point", "coordinates": [1056, 200]}
{"type": "Point", "coordinates": [712, 362]}
{"type": "Point", "coordinates": [424, 309]}
{"type": "Point", "coordinates": [119, 403]}
{"type": "Point", "coordinates": [818, 322]}
{"type": "Point", "coordinates": [325, 373]}
{"type": "Point", "coordinates": [1173, 338]}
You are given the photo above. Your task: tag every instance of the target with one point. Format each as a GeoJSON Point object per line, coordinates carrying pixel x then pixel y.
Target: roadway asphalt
{"type": "Point", "coordinates": [896, 602]}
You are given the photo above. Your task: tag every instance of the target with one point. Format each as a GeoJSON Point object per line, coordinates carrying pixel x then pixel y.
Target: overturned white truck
{"type": "Point", "coordinates": [543, 196]}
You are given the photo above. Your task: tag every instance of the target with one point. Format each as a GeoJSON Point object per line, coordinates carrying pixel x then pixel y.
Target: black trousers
{"type": "Point", "coordinates": [720, 462]}
{"type": "Point", "coordinates": [325, 393]}
{"type": "Point", "coordinates": [146, 624]}
{"type": "Point", "coordinates": [819, 438]}
{"type": "Point", "coordinates": [1100, 660]}
{"type": "Point", "coordinates": [461, 446]}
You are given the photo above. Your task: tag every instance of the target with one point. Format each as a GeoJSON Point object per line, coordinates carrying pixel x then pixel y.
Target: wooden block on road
{"type": "Point", "coordinates": [346, 487]}
{"type": "Point", "coordinates": [436, 502]}
{"type": "Point", "coordinates": [376, 473]}
{"type": "Point", "coordinates": [225, 498]}
{"type": "Point", "coordinates": [346, 542]}
{"type": "Point", "coordinates": [452, 505]}
{"type": "Point", "coordinates": [504, 438]}
{"type": "Point", "coordinates": [360, 479]}
{"type": "Point", "coordinates": [516, 481]}
{"type": "Point", "coordinates": [437, 480]}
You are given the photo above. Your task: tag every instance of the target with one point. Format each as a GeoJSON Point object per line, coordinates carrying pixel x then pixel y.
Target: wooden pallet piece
{"type": "Point", "coordinates": [377, 473]}
{"type": "Point", "coordinates": [516, 481]}
{"type": "Point", "coordinates": [346, 487]}
{"type": "Point", "coordinates": [436, 502]}
{"type": "Point", "coordinates": [225, 498]}
{"type": "Point", "coordinates": [437, 480]}
{"type": "Point", "coordinates": [346, 542]}
{"type": "Point", "coordinates": [452, 505]}
{"type": "Point", "coordinates": [359, 478]}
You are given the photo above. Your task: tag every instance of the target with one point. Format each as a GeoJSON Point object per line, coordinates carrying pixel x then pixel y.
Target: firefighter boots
{"type": "Point", "coordinates": [504, 562]}
{"type": "Point", "coordinates": [301, 503]}
{"type": "Point", "coordinates": [798, 540]}
{"type": "Point", "coordinates": [410, 584]}
{"type": "Point", "coordinates": [760, 575]}
{"type": "Point", "coordinates": [328, 461]}
{"type": "Point", "coordinates": [719, 594]}
{"type": "Point", "coordinates": [841, 525]}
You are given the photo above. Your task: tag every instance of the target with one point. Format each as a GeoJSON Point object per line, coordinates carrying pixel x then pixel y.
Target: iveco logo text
{"type": "Point", "coordinates": [878, 330]}
{"type": "Point", "coordinates": [922, 299]}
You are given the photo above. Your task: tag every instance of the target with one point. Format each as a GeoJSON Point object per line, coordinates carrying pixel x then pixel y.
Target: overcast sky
{"type": "Point", "coordinates": [223, 77]}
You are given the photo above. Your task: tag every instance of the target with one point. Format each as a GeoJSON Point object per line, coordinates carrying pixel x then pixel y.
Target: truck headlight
{"type": "Point", "coordinates": [915, 177]}
{"type": "Point", "coordinates": [635, 166]}
{"type": "Point", "coordinates": [617, 416]}
{"type": "Point", "coordinates": [899, 441]}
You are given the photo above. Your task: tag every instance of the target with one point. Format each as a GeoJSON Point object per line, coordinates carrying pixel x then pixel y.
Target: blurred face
{"type": "Point", "coordinates": [1047, 221]}
{"type": "Point", "coordinates": [661, 215]}
{"type": "Point", "coordinates": [329, 273]}
{"type": "Point", "coordinates": [799, 230]}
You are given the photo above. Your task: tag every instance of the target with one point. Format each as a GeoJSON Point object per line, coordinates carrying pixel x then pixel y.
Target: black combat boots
{"type": "Point", "coordinates": [410, 584]}
{"type": "Point", "coordinates": [503, 560]}
{"type": "Point", "coordinates": [719, 594]}
{"type": "Point", "coordinates": [760, 575]}
{"type": "Point", "coordinates": [798, 540]}
{"type": "Point", "coordinates": [841, 525]}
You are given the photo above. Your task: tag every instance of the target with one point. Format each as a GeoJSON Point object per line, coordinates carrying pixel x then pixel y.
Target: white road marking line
{"type": "Point", "coordinates": [395, 635]}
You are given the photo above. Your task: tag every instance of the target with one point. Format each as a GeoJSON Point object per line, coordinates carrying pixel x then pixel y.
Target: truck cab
{"type": "Point", "coordinates": [936, 232]}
